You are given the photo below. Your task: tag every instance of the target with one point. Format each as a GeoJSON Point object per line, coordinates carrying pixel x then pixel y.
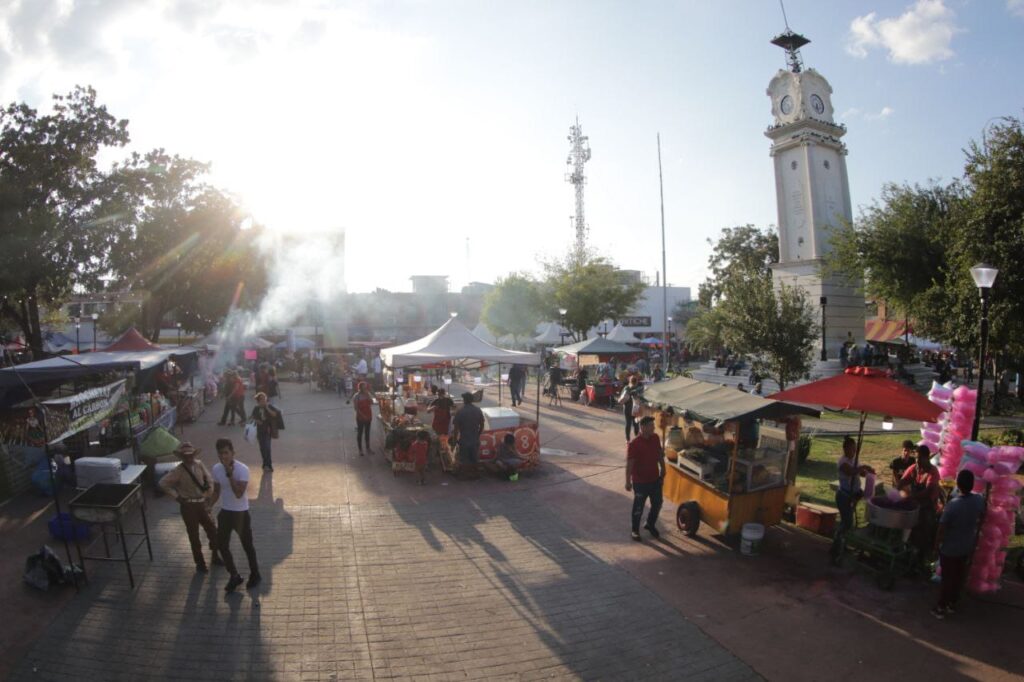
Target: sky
{"type": "Point", "coordinates": [434, 132]}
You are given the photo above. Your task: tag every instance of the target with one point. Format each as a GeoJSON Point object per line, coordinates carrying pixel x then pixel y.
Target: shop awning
{"type": "Point", "coordinates": [885, 331]}
{"type": "Point", "coordinates": [710, 403]}
{"type": "Point", "coordinates": [45, 374]}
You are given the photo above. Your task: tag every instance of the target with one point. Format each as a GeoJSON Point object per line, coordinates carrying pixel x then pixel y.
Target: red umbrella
{"type": "Point", "coordinates": [865, 390]}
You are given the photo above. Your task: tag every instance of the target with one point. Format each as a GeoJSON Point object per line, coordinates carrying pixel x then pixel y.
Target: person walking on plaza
{"type": "Point", "coordinates": [230, 484]}
{"type": "Point", "coordinates": [191, 485]}
{"type": "Point", "coordinates": [955, 539]}
{"type": "Point", "coordinates": [363, 406]}
{"type": "Point", "coordinates": [631, 407]}
{"type": "Point", "coordinates": [466, 429]}
{"type": "Point", "coordinates": [516, 383]}
{"type": "Point", "coordinates": [268, 422]}
{"type": "Point", "coordinates": [234, 399]}
{"type": "Point", "coordinates": [645, 472]}
{"type": "Point", "coordinates": [378, 373]}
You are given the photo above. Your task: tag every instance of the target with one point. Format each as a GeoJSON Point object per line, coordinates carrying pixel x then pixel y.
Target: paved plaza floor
{"type": "Point", "coordinates": [369, 576]}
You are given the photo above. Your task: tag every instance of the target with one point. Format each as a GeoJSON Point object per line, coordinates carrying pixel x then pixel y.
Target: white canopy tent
{"type": "Point", "coordinates": [622, 335]}
{"type": "Point", "coordinates": [551, 335]}
{"type": "Point", "coordinates": [453, 345]}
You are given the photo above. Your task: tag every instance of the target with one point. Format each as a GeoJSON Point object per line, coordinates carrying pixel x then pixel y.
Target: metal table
{"type": "Point", "coordinates": [107, 504]}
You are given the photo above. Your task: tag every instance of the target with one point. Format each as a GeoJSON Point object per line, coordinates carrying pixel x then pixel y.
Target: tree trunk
{"type": "Point", "coordinates": [34, 336]}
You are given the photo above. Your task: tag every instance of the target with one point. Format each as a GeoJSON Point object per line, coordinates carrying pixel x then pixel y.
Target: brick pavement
{"type": "Point", "coordinates": [368, 577]}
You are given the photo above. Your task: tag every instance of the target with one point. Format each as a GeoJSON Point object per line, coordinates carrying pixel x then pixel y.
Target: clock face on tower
{"type": "Point", "coordinates": [817, 104]}
{"type": "Point", "coordinates": [786, 105]}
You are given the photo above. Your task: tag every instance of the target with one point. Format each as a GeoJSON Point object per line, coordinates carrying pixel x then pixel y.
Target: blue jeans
{"type": "Point", "coordinates": [264, 440]}
{"type": "Point", "coordinates": [641, 492]}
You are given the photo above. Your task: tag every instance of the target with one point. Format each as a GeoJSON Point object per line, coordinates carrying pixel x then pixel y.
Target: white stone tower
{"type": "Point", "coordinates": [813, 196]}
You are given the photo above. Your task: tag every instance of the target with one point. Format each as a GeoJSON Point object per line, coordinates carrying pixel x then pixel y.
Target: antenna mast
{"type": "Point", "coordinates": [790, 42]}
{"type": "Point", "coordinates": [579, 154]}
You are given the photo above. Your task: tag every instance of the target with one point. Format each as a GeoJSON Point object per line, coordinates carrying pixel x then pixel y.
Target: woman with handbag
{"type": "Point", "coordinates": [267, 419]}
{"type": "Point", "coordinates": [631, 407]}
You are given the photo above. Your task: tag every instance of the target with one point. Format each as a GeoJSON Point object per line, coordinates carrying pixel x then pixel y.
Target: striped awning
{"type": "Point", "coordinates": [884, 331]}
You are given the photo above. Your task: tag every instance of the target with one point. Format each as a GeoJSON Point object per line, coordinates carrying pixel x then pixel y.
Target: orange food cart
{"type": "Point", "coordinates": [724, 466]}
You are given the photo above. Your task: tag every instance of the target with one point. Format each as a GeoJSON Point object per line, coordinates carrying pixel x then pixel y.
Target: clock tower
{"type": "Point", "coordinates": [813, 196]}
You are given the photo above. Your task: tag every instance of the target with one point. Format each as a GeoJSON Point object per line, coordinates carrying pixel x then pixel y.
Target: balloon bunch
{"type": "Point", "coordinates": [952, 427]}
{"type": "Point", "coordinates": [993, 469]}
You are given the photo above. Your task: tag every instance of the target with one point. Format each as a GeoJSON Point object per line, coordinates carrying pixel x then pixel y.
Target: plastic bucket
{"type": "Point", "coordinates": [750, 539]}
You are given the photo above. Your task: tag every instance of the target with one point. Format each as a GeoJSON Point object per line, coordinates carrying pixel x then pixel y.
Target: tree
{"type": "Point", "coordinates": [704, 331]}
{"type": "Point", "coordinates": [738, 253]}
{"type": "Point", "coordinates": [776, 328]}
{"type": "Point", "coordinates": [185, 250]}
{"type": "Point", "coordinates": [512, 307]}
{"type": "Point", "coordinates": [916, 246]}
{"type": "Point", "coordinates": [590, 290]}
{"type": "Point", "coordinates": [58, 217]}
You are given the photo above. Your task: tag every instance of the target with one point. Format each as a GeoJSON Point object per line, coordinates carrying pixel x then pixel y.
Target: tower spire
{"type": "Point", "coordinates": [579, 154]}
{"type": "Point", "coordinates": [791, 42]}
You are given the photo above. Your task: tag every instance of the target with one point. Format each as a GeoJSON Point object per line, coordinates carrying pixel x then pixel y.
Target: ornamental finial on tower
{"type": "Point", "coordinates": [791, 42]}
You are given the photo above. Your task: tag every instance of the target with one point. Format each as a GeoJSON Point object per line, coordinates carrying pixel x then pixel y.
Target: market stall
{"type": "Point", "coordinates": [723, 467]}
{"type": "Point", "coordinates": [590, 354]}
{"type": "Point", "coordinates": [454, 346]}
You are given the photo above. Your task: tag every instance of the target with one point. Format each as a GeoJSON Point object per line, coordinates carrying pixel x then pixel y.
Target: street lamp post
{"type": "Point", "coordinates": [668, 355]}
{"type": "Point", "coordinates": [984, 276]}
{"type": "Point", "coordinates": [824, 350]}
{"type": "Point", "coordinates": [178, 325]}
{"type": "Point", "coordinates": [78, 328]}
{"type": "Point", "coordinates": [561, 331]}
{"type": "Point", "coordinates": [95, 317]}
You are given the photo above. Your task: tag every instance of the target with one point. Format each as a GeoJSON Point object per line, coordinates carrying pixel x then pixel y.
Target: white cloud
{"type": "Point", "coordinates": [921, 35]}
{"type": "Point", "coordinates": [855, 112]}
{"type": "Point", "coordinates": [1015, 7]}
{"type": "Point", "coordinates": [885, 112]}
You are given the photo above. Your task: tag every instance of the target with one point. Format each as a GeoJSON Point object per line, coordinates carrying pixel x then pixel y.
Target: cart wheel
{"type": "Point", "coordinates": [688, 518]}
{"type": "Point", "coordinates": [886, 580]}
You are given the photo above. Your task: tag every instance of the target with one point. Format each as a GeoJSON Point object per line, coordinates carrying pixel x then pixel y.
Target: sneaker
{"type": "Point", "coordinates": [939, 612]}
{"type": "Point", "coordinates": [235, 581]}
{"type": "Point", "coordinates": [253, 581]}
{"type": "Point", "coordinates": [653, 531]}
{"type": "Point", "coordinates": [201, 568]}
{"type": "Point", "coordinates": [636, 537]}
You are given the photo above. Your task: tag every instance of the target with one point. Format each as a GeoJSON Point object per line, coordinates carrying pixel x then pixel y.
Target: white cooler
{"type": "Point", "coordinates": [500, 418]}
{"type": "Point", "coordinates": [92, 470]}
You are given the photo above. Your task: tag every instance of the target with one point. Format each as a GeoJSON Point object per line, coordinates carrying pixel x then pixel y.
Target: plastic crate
{"type": "Point", "coordinates": [62, 527]}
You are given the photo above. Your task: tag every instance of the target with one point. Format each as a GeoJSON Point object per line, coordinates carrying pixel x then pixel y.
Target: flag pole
{"type": "Point", "coordinates": [664, 280]}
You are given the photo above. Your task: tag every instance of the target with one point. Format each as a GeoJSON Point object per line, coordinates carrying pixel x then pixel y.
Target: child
{"type": "Point", "coordinates": [418, 454]}
{"type": "Point", "coordinates": [508, 460]}
{"type": "Point", "coordinates": [348, 387]}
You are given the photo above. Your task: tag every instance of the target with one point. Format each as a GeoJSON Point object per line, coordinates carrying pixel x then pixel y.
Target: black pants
{"type": "Point", "coordinates": [195, 514]}
{"type": "Point", "coordinates": [844, 503]}
{"type": "Point", "coordinates": [239, 522]}
{"type": "Point", "coordinates": [233, 406]}
{"type": "Point", "coordinates": [363, 433]}
{"type": "Point", "coordinates": [631, 425]}
{"type": "Point", "coordinates": [641, 492]}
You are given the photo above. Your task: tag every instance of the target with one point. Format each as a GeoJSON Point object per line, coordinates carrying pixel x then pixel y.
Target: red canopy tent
{"type": "Point", "coordinates": [131, 340]}
{"type": "Point", "coordinates": [865, 390]}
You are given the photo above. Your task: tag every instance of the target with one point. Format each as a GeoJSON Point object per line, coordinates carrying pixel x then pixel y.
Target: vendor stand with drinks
{"type": "Point", "coordinates": [722, 466]}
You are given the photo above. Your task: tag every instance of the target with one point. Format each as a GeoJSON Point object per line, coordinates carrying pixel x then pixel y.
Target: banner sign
{"type": "Point", "coordinates": [67, 416]}
{"type": "Point", "coordinates": [635, 321]}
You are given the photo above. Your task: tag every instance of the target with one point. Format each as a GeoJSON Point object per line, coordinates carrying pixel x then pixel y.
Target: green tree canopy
{"type": "Point", "coordinates": [57, 209]}
{"type": "Point", "coordinates": [590, 290]}
{"type": "Point", "coordinates": [739, 253]}
{"type": "Point", "coordinates": [184, 250]}
{"type": "Point", "coordinates": [513, 307]}
{"type": "Point", "coordinates": [915, 247]}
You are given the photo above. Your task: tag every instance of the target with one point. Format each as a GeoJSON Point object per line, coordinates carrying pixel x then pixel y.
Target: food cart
{"type": "Point", "coordinates": [723, 467]}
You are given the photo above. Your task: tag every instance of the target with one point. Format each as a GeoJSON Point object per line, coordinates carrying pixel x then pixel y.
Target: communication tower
{"type": "Point", "coordinates": [579, 154]}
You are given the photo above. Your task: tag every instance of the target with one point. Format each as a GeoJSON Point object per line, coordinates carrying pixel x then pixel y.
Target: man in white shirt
{"type": "Point", "coordinates": [232, 477]}
{"type": "Point", "coordinates": [376, 365]}
{"type": "Point", "coordinates": [361, 369]}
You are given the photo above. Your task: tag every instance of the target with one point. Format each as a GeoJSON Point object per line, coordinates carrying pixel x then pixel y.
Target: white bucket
{"type": "Point", "coordinates": [750, 539]}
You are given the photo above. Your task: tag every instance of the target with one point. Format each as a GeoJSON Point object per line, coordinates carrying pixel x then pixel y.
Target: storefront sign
{"type": "Point", "coordinates": [67, 416]}
{"type": "Point", "coordinates": [635, 321]}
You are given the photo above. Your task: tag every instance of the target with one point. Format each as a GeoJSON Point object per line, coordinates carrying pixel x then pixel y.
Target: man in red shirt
{"type": "Point", "coordinates": [645, 472]}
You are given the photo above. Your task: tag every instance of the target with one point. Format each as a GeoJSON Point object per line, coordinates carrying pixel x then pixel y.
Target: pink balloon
{"type": "Point", "coordinates": [989, 475]}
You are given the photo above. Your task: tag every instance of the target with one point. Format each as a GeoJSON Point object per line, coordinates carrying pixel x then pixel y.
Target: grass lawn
{"type": "Point", "coordinates": [815, 474]}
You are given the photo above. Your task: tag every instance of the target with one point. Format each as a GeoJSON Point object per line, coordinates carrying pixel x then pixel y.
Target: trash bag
{"type": "Point", "coordinates": [44, 569]}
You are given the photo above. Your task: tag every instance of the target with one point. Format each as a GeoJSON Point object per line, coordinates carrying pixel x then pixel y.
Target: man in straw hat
{"type": "Point", "coordinates": [191, 484]}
